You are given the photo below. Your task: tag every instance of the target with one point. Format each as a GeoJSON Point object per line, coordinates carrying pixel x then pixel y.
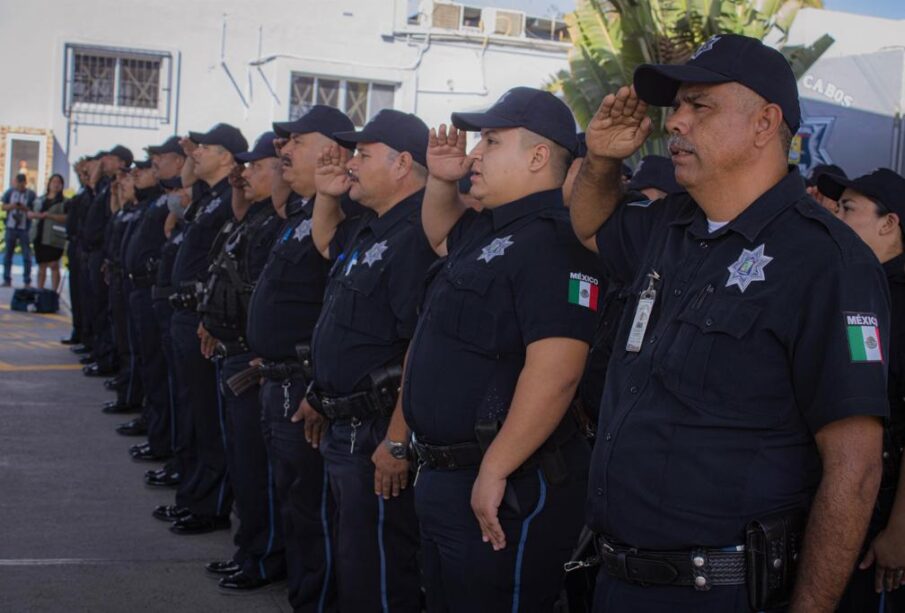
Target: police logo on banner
{"type": "Point", "coordinates": [809, 144]}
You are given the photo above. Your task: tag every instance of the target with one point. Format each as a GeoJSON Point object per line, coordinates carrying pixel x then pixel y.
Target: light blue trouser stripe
{"type": "Point", "coordinates": [270, 509]}
{"type": "Point", "coordinates": [222, 494]}
{"type": "Point", "coordinates": [882, 607]}
{"type": "Point", "coordinates": [383, 557]}
{"type": "Point", "coordinates": [542, 499]}
{"type": "Point", "coordinates": [328, 572]}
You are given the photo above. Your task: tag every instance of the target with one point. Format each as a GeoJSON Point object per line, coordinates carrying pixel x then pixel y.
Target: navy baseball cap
{"type": "Point", "coordinates": [824, 169]}
{"type": "Point", "coordinates": [726, 58]}
{"type": "Point", "coordinates": [123, 153]}
{"type": "Point", "coordinates": [263, 149]}
{"type": "Point", "coordinates": [320, 118]}
{"type": "Point", "coordinates": [395, 129]}
{"type": "Point", "coordinates": [142, 165]}
{"type": "Point", "coordinates": [884, 186]}
{"type": "Point", "coordinates": [227, 136]}
{"type": "Point", "coordinates": [655, 171]}
{"type": "Point", "coordinates": [525, 107]}
{"type": "Point", "coordinates": [172, 183]}
{"type": "Point", "coordinates": [170, 145]}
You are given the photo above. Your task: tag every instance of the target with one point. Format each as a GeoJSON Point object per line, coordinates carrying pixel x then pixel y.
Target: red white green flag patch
{"type": "Point", "coordinates": [863, 337]}
{"type": "Point", "coordinates": [583, 290]}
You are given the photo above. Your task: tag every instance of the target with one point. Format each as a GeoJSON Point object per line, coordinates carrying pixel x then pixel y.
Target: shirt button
{"type": "Point", "coordinates": [709, 322]}
{"type": "Point", "coordinates": [703, 244]}
{"type": "Point", "coordinates": [653, 339]}
{"type": "Point", "coordinates": [633, 389]}
{"type": "Point", "coordinates": [608, 436]}
{"type": "Point", "coordinates": [676, 292]}
{"type": "Point", "coordinates": [599, 491]}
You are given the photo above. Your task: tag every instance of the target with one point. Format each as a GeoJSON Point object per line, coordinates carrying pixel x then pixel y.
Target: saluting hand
{"type": "Point", "coordinates": [188, 145]}
{"type": "Point", "coordinates": [446, 157]}
{"type": "Point", "coordinates": [619, 127]}
{"type": "Point", "coordinates": [486, 498]}
{"type": "Point", "coordinates": [331, 177]}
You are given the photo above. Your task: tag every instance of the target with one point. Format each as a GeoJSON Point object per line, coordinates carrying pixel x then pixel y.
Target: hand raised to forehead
{"type": "Point", "coordinates": [278, 144]}
{"type": "Point", "coordinates": [619, 127]}
{"type": "Point", "coordinates": [235, 176]}
{"type": "Point", "coordinates": [330, 175]}
{"type": "Point", "coordinates": [188, 145]}
{"type": "Point", "coordinates": [446, 157]}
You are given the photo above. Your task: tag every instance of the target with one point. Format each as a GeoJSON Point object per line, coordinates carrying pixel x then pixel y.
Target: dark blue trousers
{"type": "Point", "coordinates": [75, 290]}
{"type": "Point", "coordinates": [376, 539]}
{"type": "Point", "coordinates": [146, 336]}
{"type": "Point", "coordinates": [205, 490]}
{"type": "Point", "coordinates": [181, 432]}
{"type": "Point", "coordinates": [125, 333]}
{"type": "Point", "coordinates": [98, 303]}
{"type": "Point", "coordinates": [259, 538]}
{"type": "Point", "coordinates": [463, 574]}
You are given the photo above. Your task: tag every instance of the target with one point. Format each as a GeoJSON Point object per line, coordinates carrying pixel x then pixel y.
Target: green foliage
{"type": "Point", "coordinates": [610, 39]}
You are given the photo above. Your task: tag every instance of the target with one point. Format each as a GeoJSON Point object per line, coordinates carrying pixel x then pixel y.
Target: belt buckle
{"type": "Point", "coordinates": [449, 459]}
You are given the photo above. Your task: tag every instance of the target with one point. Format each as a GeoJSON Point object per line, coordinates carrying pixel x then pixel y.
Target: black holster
{"type": "Point", "coordinates": [772, 547]}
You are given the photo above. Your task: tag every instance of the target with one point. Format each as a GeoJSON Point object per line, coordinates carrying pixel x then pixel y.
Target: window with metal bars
{"type": "Point", "coordinates": [116, 82]}
{"type": "Point", "coordinates": [360, 100]}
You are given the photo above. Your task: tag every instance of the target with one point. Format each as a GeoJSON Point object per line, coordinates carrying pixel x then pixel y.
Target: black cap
{"type": "Point", "coordinates": [222, 134]}
{"type": "Point", "coordinates": [655, 171]}
{"type": "Point", "coordinates": [882, 185]}
{"type": "Point", "coordinates": [95, 157]}
{"type": "Point", "coordinates": [171, 183]}
{"type": "Point", "coordinates": [320, 118]}
{"type": "Point", "coordinates": [824, 169]}
{"type": "Point", "coordinates": [263, 149]}
{"type": "Point", "coordinates": [582, 149]}
{"type": "Point", "coordinates": [726, 58]}
{"type": "Point", "coordinates": [395, 129]}
{"type": "Point", "coordinates": [525, 107]}
{"type": "Point", "coordinates": [143, 165]}
{"type": "Point", "coordinates": [123, 153]}
{"type": "Point", "coordinates": [170, 145]}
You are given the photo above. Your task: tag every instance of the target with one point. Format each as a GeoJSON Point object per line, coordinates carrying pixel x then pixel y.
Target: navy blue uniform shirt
{"type": "Point", "coordinates": [895, 274]}
{"type": "Point", "coordinates": [514, 276]}
{"type": "Point", "coordinates": [370, 303]}
{"type": "Point", "coordinates": [168, 253]}
{"type": "Point", "coordinates": [96, 217]}
{"type": "Point", "coordinates": [204, 218]}
{"type": "Point", "coordinates": [762, 332]}
{"type": "Point", "coordinates": [147, 237]}
{"type": "Point", "coordinates": [290, 289]}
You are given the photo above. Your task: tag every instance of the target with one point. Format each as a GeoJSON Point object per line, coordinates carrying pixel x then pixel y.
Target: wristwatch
{"type": "Point", "coordinates": [397, 450]}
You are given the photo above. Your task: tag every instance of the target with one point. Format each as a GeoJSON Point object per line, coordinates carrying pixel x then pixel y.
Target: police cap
{"type": "Point", "coordinates": [395, 129]}
{"type": "Point", "coordinates": [227, 136]}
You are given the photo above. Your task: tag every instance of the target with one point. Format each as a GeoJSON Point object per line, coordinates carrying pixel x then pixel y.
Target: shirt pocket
{"type": "Point", "coordinates": [466, 313]}
{"type": "Point", "coordinates": [364, 306]}
{"type": "Point", "coordinates": [720, 360]}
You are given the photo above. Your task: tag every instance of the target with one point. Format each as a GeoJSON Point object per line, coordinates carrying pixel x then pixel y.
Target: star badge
{"type": "Point", "coordinates": [749, 267]}
{"type": "Point", "coordinates": [496, 248]}
{"type": "Point", "coordinates": [302, 231]}
{"type": "Point", "coordinates": [375, 253]}
{"type": "Point", "coordinates": [212, 206]}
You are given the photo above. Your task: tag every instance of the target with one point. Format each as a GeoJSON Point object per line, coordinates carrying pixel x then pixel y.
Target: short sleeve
{"type": "Point", "coordinates": [406, 282]}
{"type": "Point", "coordinates": [622, 240]}
{"type": "Point", "coordinates": [558, 291]}
{"type": "Point", "coordinates": [840, 360]}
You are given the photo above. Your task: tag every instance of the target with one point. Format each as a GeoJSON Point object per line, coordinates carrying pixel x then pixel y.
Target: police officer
{"type": "Point", "coordinates": [358, 348]}
{"type": "Point", "coordinates": [241, 250]}
{"type": "Point", "coordinates": [814, 192]}
{"type": "Point", "coordinates": [493, 367]}
{"type": "Point", "coordinates": [184, 460]}
{"type": "Point", "coordinates": [74, 209]}
{"type": "Point", "coordinates": [89, 168]}
{"type": "Point", "coordinates": [209, 497]}
{"type": "Point", "coordinates": [291, 288]}
{"type": "Point", "coordinates": [873, 206]}
{"type": "Point", "coordinates": [747, 383]}
{"type": "Point", "coordinates": [126, 204]}
{"type": "Point", "coordinates": [92, 240]}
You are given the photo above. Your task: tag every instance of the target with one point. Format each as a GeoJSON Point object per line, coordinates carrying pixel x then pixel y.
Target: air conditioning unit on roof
{"type": "Point", "coordinates": [446, 15]}
{"type": "Point", "coordinates": [504, 22]}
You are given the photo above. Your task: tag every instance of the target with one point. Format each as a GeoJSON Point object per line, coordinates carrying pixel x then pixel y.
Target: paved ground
{"type": "Point", "coordinates": [76, 532]}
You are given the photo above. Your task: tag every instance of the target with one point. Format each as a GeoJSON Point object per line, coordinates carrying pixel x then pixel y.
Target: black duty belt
{"type": "Point", "coordinates": [162, 292]}
{"type": "Point", "coordinates": [230, 348]}
{"type": "Point", "coordinates": [379, 400]}
{"type": "Point", "coordinates": [142, 281]}
{"type": "Point", "coordinates": [354, 406]}
{"type": "Point", "coordinates": [449, 457]}
{"type": "Point", "coordinates": [698, 568]}
{"type": "Point", "coordinates": [280, 371]}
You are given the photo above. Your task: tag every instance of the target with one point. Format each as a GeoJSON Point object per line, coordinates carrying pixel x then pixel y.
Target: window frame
{"type": "Point", "coordinates": [342, 92]}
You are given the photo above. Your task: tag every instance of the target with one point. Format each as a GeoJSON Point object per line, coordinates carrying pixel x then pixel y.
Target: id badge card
{"type": "Point", "coordinates": [643, 311]}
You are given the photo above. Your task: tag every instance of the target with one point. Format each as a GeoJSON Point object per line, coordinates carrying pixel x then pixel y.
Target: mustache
{"type": "Point", "coordinates": [286, 160]}
{"type": "Point", "coordinates": [679, 143]}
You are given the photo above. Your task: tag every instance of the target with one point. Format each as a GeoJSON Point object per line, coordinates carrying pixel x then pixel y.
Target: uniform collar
{"type": "Point", "coordinates": [257, 207]}
{"type": "Point", "coordinates": [219, 187]}
{"type": "Point", "coordinates": [531, 204]}
{"type": "Point", "coordinates": [400, 211]}
{"type": "Point", "coordinates": [895, 268]}
{"type": "Point", "coordinates": [753, 219]}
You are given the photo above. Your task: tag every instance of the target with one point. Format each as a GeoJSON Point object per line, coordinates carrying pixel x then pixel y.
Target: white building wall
{"type": "Point", "coordinates": [358, 39]}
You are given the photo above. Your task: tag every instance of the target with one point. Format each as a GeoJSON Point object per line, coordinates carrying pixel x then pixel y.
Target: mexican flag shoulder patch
{"type": "Point", "coordinates": [583, 290]}
{"type": "Point", "coordinates": [863, 331]}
